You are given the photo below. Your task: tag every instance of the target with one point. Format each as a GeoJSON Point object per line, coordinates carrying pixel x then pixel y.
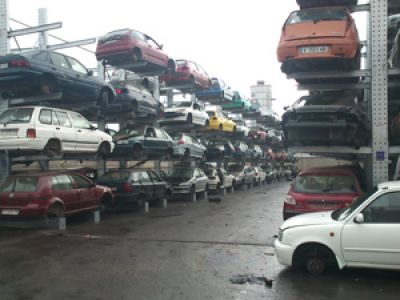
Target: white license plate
{"type": "Point", "coordinates": [10, 212]}
{"type": "Point", "coordinates": [3, 66]}
{"type": "Point", "coordinates": [8, 132]}
{"type": "Point", "coordinates": [311, 50]}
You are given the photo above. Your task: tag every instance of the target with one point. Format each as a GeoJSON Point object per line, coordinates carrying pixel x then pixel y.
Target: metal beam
{"type": "Point", "coordinates": [43, 36]}
{"type": "Point", "coordinates": [4, 26]}
{"type": "Point", "coordinates": [330, 74]}
{"type": "Point", "coordinates": [72, 44]}
{"type": "Point", "coordinates": [40, 28]}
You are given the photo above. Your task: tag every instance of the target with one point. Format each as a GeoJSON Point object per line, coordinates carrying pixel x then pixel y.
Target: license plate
{"type": "Point", "coordinates": [10, 212]}
{"type": "Point", "coordinates": [311, 50]}
{"type": "Point", "coordinates": [3, 66]}
{"type": "Point", "coordinates": [8, 132]}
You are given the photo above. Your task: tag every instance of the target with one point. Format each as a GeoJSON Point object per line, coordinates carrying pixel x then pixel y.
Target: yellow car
{"type": "Point", "coordinates": [220, 121]}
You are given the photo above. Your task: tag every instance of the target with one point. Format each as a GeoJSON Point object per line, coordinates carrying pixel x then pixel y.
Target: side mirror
{"type": "Point", "coordinates": [90, 73]}
{"type": "Point", "coordinates": [359, 219]}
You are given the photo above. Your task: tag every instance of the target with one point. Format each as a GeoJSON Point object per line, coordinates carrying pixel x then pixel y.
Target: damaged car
{"type": "Point", "coordinates": [332, 119]}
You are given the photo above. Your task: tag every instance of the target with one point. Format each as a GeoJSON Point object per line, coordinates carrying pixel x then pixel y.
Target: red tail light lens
{"type": "Point", "coordinates": [31, 133]}
{"type": "Point", "coordinates": [127, 188]}
{"type": "Point", "coordinates": [181, 142]}
{"type": "Point", "coordinates": [19, 63]}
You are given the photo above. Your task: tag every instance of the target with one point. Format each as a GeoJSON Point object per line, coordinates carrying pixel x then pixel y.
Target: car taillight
{"type": "Point", "coordinates": [290, 200]}
{"type": "Point", "coordinates": [127, 188]}
{"type": "Point", "coordinates": [31, 133]}
{"type": "Point", "coordinates": [121, 91]}
{"type": "Point", "coordinates": [181, 142]}
{"type": "Point", "coordinates": [19, 63]}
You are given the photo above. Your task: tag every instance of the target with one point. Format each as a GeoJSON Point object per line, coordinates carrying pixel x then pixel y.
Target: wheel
{"type": "Point", "coordinates": [104, 99]}
{"type": "Point", "coordinates": [316, 266]}
{"type": "Point", "coordinates": [104, 150]}
{"type": "Point", "coordinates": [314, 258]}
{"type": "Point", "coordinates": [52, 148]}
{"type": "Point", "coordinates": [47, 85]}
{"type": "Point", "coordinates": [55, 211]}
{"type": "Point", "coordinates": [187, 154]}
{"type": "Point", "coordinates": [171, 68]}
{"type": "Point", "coordinates": [207, 123]}
{"type": "Point", "coordinates": [136, 55]}
{"type": "Point", "coordinates": [137, 151]}
{"type": "Point", "coordinates": [189, 119]}
{"type": "Point", "coordinates": [106, 203]}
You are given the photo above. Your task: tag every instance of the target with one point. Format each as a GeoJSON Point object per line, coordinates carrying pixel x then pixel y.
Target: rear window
{"type": "Point", "coordinates": [330, 184]}
{"type": "Point", "coordinates": [316, 15]}
{"type": "Point", "coordinates": [26, 184]}
{"type": "Point", "coordinates": [115, 177]}
{"type": "Point", "coordinates": [16, 115]}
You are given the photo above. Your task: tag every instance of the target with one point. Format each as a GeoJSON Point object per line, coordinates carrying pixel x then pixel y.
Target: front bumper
{"type": "Point", "coordinates": [284, 253]}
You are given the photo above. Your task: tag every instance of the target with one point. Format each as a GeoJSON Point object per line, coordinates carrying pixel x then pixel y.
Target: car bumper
{"type": "Point", "coordinates": [283, 253]}
{"type": "Point", "coordinates": [31, 211]}
{"type": "Point", "coordinates": [22, 144]}
{"type": "Point", "coordinates": [15, 77]}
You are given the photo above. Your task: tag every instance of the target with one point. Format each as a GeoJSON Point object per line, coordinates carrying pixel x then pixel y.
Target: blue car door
{"type": "Point", "coordinates": [59, 67]}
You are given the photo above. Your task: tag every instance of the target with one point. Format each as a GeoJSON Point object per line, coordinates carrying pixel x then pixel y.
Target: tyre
{"type": "Point", "coordinates": [104, 150]}
{"type": "Point", "coordinates": [314, 258]}
{"type": "Point", "coordinates": [55, 211]}
{"type": "Point", "coordinates": [136, 55]}
{"type": "Point", "coordinates": [189, 119]}
{"type": "Point", "coordinates": [187, 154]}
{"type": "Point", "coordinates": [53, 148]}
{"type": "Point", "coordinates": [104, 99]}
{"type": "Point", "coordinates": [106, 203]}
{"type": "Point", "coordinates": [47, 85]}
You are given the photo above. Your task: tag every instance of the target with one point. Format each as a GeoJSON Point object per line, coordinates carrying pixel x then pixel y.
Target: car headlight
{"type": "Point", "coordinates": [290, 200]}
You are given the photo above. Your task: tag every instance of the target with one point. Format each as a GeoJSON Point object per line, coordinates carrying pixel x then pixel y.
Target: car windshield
{"type": "Point", "coordinates": [316, 15]}
{"type": "Point", "coordinates": [235, 168]}
{"type": "Point", "coordinates": [343, 213]}
{"type": "Point", "coordinates": [16, 115]}
{"type": "Point", "coordinates": [318, 183]}
{"type": "Point", "coordinates": [181, 174]}
{"type": "Point", "coordinates": [115, 177]}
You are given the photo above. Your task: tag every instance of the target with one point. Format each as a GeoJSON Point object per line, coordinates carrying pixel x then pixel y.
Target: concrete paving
{"type": "Point", "coordinates": [187, 251]}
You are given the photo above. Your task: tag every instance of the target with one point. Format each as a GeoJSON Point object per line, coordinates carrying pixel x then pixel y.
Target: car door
{"type": "Point", "coordinates": [147, 185]}
{"type": "Point", "coordinates": [197, 114]}
{"type": "Point", "coordinates": [155, 52]}
{"type": "Point", "coordinates": [64, 76]}
{"type": "Point", "coordinates": [85, 84]}
{"type": "Point", "coordinates": [159, 185]}
{"type": "Point", "coordinates": [87, 139]}
{"type": "Point", "coordinates": [202, 180]}
{"type": "Point", "coordinates": [376, 240]}
{"type": "Point", "coordinates": [46, 130]}
{"type": "Point", "coordinates": [66, 192]}
{"type": "Point", "coordinates": [87, 192]}
{"type": "Point", "coordinates": [67, 133]}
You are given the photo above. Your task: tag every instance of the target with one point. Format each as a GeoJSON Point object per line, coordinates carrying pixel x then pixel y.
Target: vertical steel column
{"type": "Point", "coordinates": [379, 90]}
{"type": "Point", "coordinates": [43, 37]}
{"type": "Point", "coordinates": [4, 26]}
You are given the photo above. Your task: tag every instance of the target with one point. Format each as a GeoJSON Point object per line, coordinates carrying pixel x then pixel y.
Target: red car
{"type": "Point", "coordinates": [128, 48]}
{"type": "Point", "coordinates": [321, 189]}
{"type": "Point", "coordinates": [188, 72]}
{"type": "Point", "coordinates": [51, 194]}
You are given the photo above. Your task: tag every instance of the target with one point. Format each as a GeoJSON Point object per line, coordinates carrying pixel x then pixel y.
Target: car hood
{"type": "Point", "coordinates": [310, 30]}
{"type": "Point", "coordinates": [318, 218]}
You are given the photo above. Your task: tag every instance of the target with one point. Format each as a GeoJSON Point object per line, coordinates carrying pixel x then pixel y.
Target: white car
{"type": "Point", "coordinates": [185, 112]}
{"type": "Point", "coordinates": [261, 176]}
{"type": "Point", "coordinates": [241, 128]}
{"type": "Point", "coordinates": [34, 129]}
{"type": "Point", "coordinates": [218, 178]}
{"type": "Point", "coordinates": [363, 235]}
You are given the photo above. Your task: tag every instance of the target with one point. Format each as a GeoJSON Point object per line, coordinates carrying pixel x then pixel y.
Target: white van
{"type": "Point", "coordinates": [33, 129]}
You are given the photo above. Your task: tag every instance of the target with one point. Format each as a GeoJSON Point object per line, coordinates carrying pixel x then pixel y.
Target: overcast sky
{"type": "Point", "coordinates": [233, 40]}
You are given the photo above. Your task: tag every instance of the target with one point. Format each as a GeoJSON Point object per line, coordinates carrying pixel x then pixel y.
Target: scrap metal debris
{"type": "Point", "coordinates": [251, 279]}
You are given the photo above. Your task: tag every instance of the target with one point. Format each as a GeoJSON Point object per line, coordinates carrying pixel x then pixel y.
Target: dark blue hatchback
{"type": "Point", "coordinates": [43, 72]}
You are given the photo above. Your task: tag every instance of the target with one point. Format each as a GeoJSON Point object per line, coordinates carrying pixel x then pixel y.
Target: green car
{"type": "Point", "coordinates": [237, 104]}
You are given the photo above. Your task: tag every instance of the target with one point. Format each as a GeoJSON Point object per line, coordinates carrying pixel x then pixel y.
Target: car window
{"type": "Point", "coordinates": [137, 35]}
{"type": "Point", "coordinates": [79, 122]}
{"type": "Point", "coordinates": [59, 60]}
{"type": "Point", "coordinates": [154, 177]}
{"type": "Point", "coordinates": [81, 182]}
{"type": "Point", "coordinates": [63, 119]}
{"type": "Point", "coordinates": [16, 115]}
{"type": "Point", "coordinates": [159, 134]}
{"type": "Point", "coordinates": [61, 183]}
{"type": "Point", "coordinates": [315, 15]}
{"type": "Point", "coordinates": [115, 177]}
{"type": "Point", "coordinates": [39, 55]}
{"type": "Point", "coordinates": [201, 173]}
{"type": "Point", "coordinates": [385, 209]}
{"type": "Point", "coordinates": [325, 184]}
{"type": "Point", "coordinates": [152, 43]}
{"type": "Point", "coordinates": [77, 66]}
{"type": "Point", "coordinates": [150, 132]}
{"type": "Point", "coordinates": [45, 116]}
{"type": "Point", "coordinates": [25, 184]}
{"type": "Point", "coordinates": [144, 177]}
{"type": "Point", "coordinates": [54, 118]}
{"type": "Point", "coordinates": [7, 185]}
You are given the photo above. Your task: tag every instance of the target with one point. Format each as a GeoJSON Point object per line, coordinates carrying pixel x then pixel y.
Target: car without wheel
{"type": "Point", "coordinates": [143, 141]}
{"type": "Point", "coordinates": [244, 175]}
{"type": "Point", "coordinates": [134, 186]}
{"type": "Point", "coordinates": [46, 73]}
{"type": "Point", "coordinates": [321, 189]}
{"type": "Point", "coordinates": [189, 146]}
{"type": "Point", "coordinates": [50, 194]}
{"type": "Point", "coordinates": [363, 234]}
{"type": "Point", "coordinates": [187, 72]}
{"type": "Point", "coordinates": [318, 39]}
{"type": "Point", "coordinates": [133, 50]}
{"type": "Point", "coordinates": [187, 181]}
{"type": "Point", "coordinates": [219, 178]}
{"type": "Point", "coordinates": [218, 90]}
{"type": "Point", "coordinates": [185, 112]}
{"type": "Point", "coordinates": [36, 129]}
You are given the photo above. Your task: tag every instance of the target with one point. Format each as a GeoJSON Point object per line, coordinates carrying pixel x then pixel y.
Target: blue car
{"type": "Point", "coordinates": [218, 91]}
{"type": "Point", "coordinates": [43, 72]}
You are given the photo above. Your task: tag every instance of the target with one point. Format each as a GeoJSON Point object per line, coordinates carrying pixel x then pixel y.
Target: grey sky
{"type": "Point", "coordinates": [234, 40]}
